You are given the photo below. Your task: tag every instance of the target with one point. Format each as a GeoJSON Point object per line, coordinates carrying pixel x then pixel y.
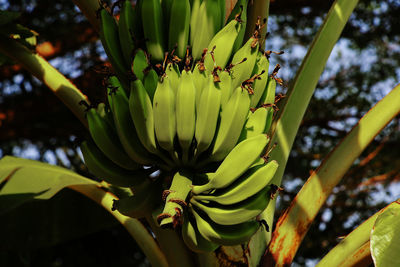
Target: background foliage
{"type": "Point", "coordinates": [35, 124]}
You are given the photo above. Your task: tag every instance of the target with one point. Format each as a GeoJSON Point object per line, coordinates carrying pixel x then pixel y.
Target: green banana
{"type": "Point", "coordinates": [233, 117]}
{"type": "Point", "coordinates": [207, 116]}
{"type": "Point", "coordinates": [258, 122]}
{"type": "Point", "coordinates": [221, 4]}
{"type": "Point", "coordinates": [142, 203]}
{"type": "Point", "coordinates": [242, 156]}
{"type": "Point", "coordinates": [214, 8]}
{"type": "Point", "coordinates": [138, 28]}
{"type": "Point", "coordinates": [269, 120]}
{"type": "Point", "coordinates": [109, 106]}
{"type": "Point", "coordinates": [259, 85]}
{"type": "Point", "coordinates": [225, 235]}
{"type": "Point", "coordinates": [268, 96]}
{"type": "Point", "coordinates": [186, 113]}
{"type": "Point", "coordinates": [239, 212]}
{"type": "Point", "coordinates": [152, 21]}
{"type": "Point", "coordinates": [200, 80]}
{"type": "Point", "coordinates": [221, 45]}
{"type": "Point", "coordinates": [172, 71]}
{"type": "Point", "coordinates": [179, 27]}
{"type": "Point", "coordinates": [142, 115]}
{"type": "Point", "coordinates": [199, 29]}
{"type": "Point", "coordinates": [240, 8]}
{"type": "Point", "coordinates": [246, 186]}
{"type": "Point", "coordinates": [267, 100]}
{"type": "Point", "coordinates": [110, 40]}
{"type": "Point", "coordinates": [258, 163]}
{"type": "Point", "coordinates": [226, 87]}
{"type": "Point", "coordinates": [243, 70]}
{"type": "Point", "coordinates": [105, 112]}
{"type": "Point", "coordinates": [150, 83]}
{"type": "Point", "coordinates": [193, 239]}
{"type": "Point", "coordinates": [139, 64]}
{"type": "Point", "coordinates": [127, 25]}
{"type": "Point", "coordinates": [105, 137]}
{"type": "Point", "coordinates": [126, 130]}
{"type": "Point", "coordinates": [207, 24]}
{"type": "Point", "coordinates": [195, 6]}
{"type": "Point", "coordinates": [166, 7]}
{"type": "Point", "coordinates": [175, 202]}
{"type": "Point", "coordinates": [112, 84]}
{"type": "Point", "coordinates": [99, 165]}
{"type": "Point", "coordinates": [164, 114]}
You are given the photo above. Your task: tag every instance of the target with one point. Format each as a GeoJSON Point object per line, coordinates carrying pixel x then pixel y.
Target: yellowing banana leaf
{"type": "Point", "coordinates": [24, 180]}
{"type": "Point", "coordinates": [385, 238]}
{"type": "Point", "coordinates": [302, 211]}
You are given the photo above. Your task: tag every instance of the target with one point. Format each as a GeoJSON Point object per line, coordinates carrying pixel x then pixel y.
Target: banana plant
{"type": "Point", "coordinates": [188, 134]}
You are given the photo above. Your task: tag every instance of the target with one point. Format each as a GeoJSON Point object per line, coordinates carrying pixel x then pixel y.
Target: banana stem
{"type": "Point", "coordinates": [41, 69]}
{"type": "Point", "coordinates": [172, 244]}
{"type": "Point", "coordinates": [135, 228]}
{"type": "Point", "coordinates": [89, 9]}
{"type": "Point", "coordinates": [178, 192]}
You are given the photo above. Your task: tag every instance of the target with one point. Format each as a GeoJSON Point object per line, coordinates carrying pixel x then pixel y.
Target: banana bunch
{"type": "Point", "coordinates": [158, 26]}
{"type": "Point", "coordinates": [226, 206]}
{"type": "Point", "coordinates": [186, 118]}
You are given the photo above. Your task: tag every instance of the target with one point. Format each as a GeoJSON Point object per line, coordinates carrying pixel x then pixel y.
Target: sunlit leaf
{"type": "Point", "coordinates": [22, 34]}
{"type": "Point", "coordinates": [24, 180]}
{"type": "Point", "coordinates": [385, 238]}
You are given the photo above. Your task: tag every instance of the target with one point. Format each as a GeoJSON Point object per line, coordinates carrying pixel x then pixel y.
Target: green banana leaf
{"type": "Point", "coordinates": [305, 82]}
{"type": "Point", "coordinates": [8, 27]}
{"type": "Point", "coordinates": [311, 197]}
{"type": "Point", "coordinates": [39, 224]}
{"type": "Point", "coordinates": [27, 222]}
{"type": "Point", "coordinates": [348, 246]}
{"type": "Point", "coordinates": [20, 33]}
{"type": "Point", "coordinates": [23, 180]}
{"type": "Point", "coordinates": [299, 96]}
{"type": "Point", "coordinates": [385, 238]}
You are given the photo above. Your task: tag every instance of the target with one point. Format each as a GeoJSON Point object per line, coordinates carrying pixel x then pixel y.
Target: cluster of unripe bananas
{"type": "Point", "coordinates": [185, 130]}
